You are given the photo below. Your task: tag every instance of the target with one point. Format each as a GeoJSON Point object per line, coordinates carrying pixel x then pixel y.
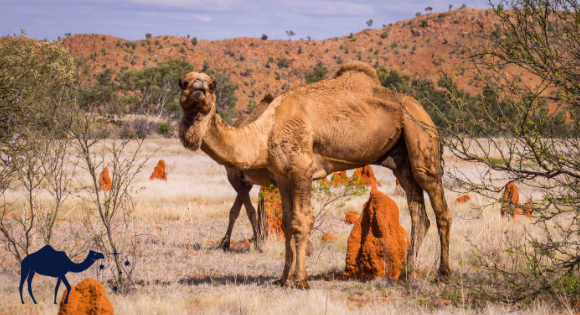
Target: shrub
{"type": "Point", "coordinates": [148, 35]}
{"type": "Point", "coordinates": [194, 41]}
{"type": "Point", "coordinates": [264, 37]}
{"type": "Point", "coordinates": [165, 130]}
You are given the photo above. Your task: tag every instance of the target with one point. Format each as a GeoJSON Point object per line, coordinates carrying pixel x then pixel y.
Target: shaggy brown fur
{"type": "Point", "coordinates": [311, 131]}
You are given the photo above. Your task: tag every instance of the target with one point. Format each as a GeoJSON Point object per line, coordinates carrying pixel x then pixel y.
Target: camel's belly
{"type": "Point", "coordinates": [351, 145]}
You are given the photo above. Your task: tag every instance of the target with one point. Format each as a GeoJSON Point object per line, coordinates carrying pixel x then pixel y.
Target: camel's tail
{"type": "Point", "coordinates": [24, 271]}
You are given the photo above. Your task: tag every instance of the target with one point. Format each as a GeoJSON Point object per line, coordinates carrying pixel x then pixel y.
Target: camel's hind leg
{"type": "Point", "coordinates": [252, 216]}
{"type": "Point", "coordinates": [425, 151]}
{"type": "Point", "coordinates": [30, 277]}
{"type": "Point", "coordinates": [234, 213]}
{"type": "Point", "coordinates": [24, 270]}
{"type": "Point", "coordinates": [420, 221]}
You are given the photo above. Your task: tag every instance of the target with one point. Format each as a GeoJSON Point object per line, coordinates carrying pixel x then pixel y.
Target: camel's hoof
{"type": "Point", "coordinates": [224, 245]}
{"type": "Point", "coordinates": [281, 283]}
{"type": "Point", "coordinates": [302, 285]}
{"type": "Point", "coordinates": [443, 275]}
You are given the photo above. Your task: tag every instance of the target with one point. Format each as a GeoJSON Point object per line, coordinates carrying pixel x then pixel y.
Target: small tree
{"type": "Point", "coordinates": [290, 34]}
{"type": "Point", "coordinates": [264, 37]}
{"type": "Point", "coordinates": [318, 73]}
{"type": "Point", "coordinates": [148, 35]}
{"type": "Point", "coordinates": [370, 23]}
{"type": "Point", "coordinates": [418, 14]}
{"type": "Point", "coordinates": [522, 134]}
{"type": "Point", "coordinates": [194, 41]}
{"type": "Point", "coordinates": [428, 9]}
{"type": "Point", "coordinates": [450, 7]}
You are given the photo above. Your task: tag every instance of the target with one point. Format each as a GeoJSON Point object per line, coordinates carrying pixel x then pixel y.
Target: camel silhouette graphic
{"type": "Point", "coordinates": [52, 263]}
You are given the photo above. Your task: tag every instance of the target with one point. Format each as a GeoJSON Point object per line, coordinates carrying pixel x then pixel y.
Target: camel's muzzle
{"type": "Point", "coordinates": [198, 90]}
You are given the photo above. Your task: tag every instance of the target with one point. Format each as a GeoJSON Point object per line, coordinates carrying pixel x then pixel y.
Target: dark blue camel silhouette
{"type": "Point", "coordinates": [52, 263]}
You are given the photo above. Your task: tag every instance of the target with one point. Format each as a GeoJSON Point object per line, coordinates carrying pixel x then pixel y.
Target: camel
{"type": "Point", "coordinates": [52, 263]}
{"type": "Point", "coordinates": [310, 131]}
{"type": "Point", "coordinates": [243, 182]}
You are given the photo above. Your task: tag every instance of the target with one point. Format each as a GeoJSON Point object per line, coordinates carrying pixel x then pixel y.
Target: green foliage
{"type": "Point", "coordinates": [155, 87]}
{"type": "Point", "coordinates": [148, 35]}
{"type": "Point", "coordinates": [33, 75]}
{"type": "Point", "coordinates": [318, 73]}
{"type": "Point", "coordinates": [165, 130]}
{"type": "Point", "coordinates": [225, 93]}
{"type": "Point", "coordinates": [194, 41]}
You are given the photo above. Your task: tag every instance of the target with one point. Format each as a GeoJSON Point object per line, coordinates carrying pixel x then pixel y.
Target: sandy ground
{"type": "Point", "coordinates": [179, 271]}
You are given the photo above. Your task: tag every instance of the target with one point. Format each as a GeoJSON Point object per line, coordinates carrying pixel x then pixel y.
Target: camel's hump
{"type": "Point", "coordinates": [358, 66]}
{"type": "Point", "coordinates": [47, 249]}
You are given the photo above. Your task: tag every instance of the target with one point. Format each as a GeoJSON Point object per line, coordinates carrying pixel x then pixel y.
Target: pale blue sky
{"type": "Point", "coordinates": [209, 19]}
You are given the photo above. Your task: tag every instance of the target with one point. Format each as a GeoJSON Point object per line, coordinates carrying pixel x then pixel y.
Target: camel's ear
{"type": "Point", "coordinates": [212, 86]}
{"type": "Point", "coordinates": [183, 84]}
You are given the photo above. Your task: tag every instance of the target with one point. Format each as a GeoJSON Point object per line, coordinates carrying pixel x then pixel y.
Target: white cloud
{"type": "Point", "coordinates": [329, 8]}
{"type": "Point", "coordinates": [213, 5]}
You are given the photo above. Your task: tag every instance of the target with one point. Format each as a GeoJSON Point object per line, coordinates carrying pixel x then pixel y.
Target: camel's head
{"type": "Point", "coordinates": [198, 103]}
{"type": "Point", "coordinates": [94, 255]}
{"type": "Point", "coordinates": [197, 92]}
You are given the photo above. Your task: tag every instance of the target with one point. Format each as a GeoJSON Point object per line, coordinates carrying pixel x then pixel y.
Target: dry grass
{"type": "Point", "coordinates": [180, 272]}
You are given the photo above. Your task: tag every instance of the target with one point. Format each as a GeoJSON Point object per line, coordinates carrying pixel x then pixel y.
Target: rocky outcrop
{"type": "Point", "coordinates": [378, 244]}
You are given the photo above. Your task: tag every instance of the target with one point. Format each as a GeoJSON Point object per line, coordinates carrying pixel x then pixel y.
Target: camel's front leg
{"type": "Point", "coordinates": [286, 194]}
{"type": "Point", "coordinates": [56, 290]}
{"type": "Point", "coordinates": [302, 217]}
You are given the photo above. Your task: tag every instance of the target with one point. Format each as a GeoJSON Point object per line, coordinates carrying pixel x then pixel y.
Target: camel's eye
{"type": "Point", "coordinates": [183, 84]}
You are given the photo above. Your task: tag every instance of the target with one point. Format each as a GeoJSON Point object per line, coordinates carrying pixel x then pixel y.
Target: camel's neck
{"type": "Point", "coordinates": [82, 266]}
{"type": "Point", "coordinates": [243, 148]}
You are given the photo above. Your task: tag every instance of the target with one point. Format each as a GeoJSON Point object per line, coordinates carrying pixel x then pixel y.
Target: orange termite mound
{"type": "Point", "coordinates": [270, 206]}
{"type": "Point", "coordinates": [159, 171]}
{"type": "Point", "coordinates": [510, 199]}
{"type": "Point", "coordinates": [88, 297]}
{"type": "Point", "coordinates": [399, 191]}
{"type": "Point", "coordinates": [337, 179]}
{"type": "Point", "coordinates": [105, 182]}
{"type": "Point", "coordinates": [523, 214]}
{"type": "Point", "coordinates": [378, 244]}
{"type": "Point", "coordinates": [528, 208]}
{"type": "Point", "coordinates": [328, 237]}
{"type": "Point", "coordinates": [351, 218]}
{"type": "Point", "coordinates": [367, 176]}
{"type": "Point", "coordinates": [463, 199]}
